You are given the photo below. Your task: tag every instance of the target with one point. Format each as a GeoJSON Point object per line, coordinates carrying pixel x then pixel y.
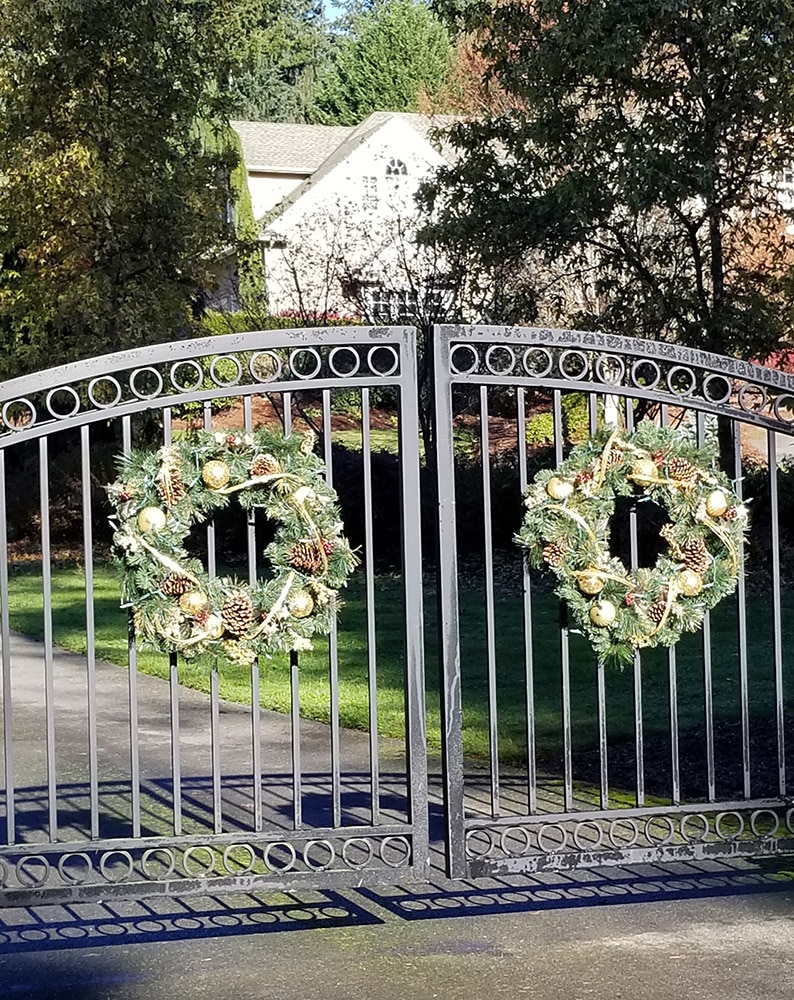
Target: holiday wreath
{"type": "Point", "coordinates": [566, 528]}
{"type": "Point", "coordinates": [161, 494]}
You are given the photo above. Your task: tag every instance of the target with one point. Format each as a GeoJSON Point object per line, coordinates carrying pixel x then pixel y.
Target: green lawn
{"type": "Point", "coordinates": [69, 630]}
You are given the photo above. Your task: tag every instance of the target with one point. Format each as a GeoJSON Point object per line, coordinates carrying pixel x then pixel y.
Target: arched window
{"type": "Point", "coordinates": [396, 168]}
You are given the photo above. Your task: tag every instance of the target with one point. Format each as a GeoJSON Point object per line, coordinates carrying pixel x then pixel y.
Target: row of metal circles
{"type": "Point", "coordinates": [646, 374]}
{"type": "Point", "coordinates": [225, 372]}
{"type": "Point", "coordinates": [627, 832]}
{"type": "Point", "coordinates": [33, 871]}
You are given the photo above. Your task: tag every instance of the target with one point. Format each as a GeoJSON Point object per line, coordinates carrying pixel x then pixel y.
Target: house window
{"type": "Point", "coordinates": [369, 195]}
{"type": "Point", "coordinates": [385, 305]}
{"type": "Point", "coordinates": [396, 168]}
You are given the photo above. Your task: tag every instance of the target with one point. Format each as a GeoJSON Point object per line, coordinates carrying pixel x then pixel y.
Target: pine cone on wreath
{"type": "Point", "coordinates": [553, 554]}
{"type": "Point", "coordinates": [238, 613]}
{"type": "Point", "coordinates": [656, 611]}
{"type": "Point", "coordinates": [175, 585]}
{"type": "Point", "coordinates": [682, 471]}
{"type": "Point", "coordinates": [170, 485]}
{"type": "Point", "coordinates": [696, 555]}
{"type": "Point", "coordinates": [305, 557]}
{"type": "Point", "coordinates": [614, 458]}
{"type": "Point", "coordinates": [265, 465]}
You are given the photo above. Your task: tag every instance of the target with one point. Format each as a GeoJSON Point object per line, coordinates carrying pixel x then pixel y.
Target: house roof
{"type": "Point", "coordinates": [291, 148]}
{"type": "Point", "coordinates": [286, 147]}
{"type": "Point", "coordinates": [314, 150]}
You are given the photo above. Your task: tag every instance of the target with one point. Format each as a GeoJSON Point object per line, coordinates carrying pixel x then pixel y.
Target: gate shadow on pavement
{"type": "Point", "coordinates": [162, 919]}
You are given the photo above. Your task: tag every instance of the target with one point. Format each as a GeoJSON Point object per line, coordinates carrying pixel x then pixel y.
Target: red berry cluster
{"type": "Point", "coordinates": [328, 546]}
{"type": "Point", "coordinates": [629, 600]}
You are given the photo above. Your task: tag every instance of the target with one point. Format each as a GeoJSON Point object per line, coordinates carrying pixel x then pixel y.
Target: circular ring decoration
{"type": "Point", "coordinates": [566, 529]}
{"type": "Point", "coordinates": [177, 608]}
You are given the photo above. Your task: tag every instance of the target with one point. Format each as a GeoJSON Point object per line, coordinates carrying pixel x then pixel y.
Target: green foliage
{"type": "Point", "coordinates": [575, 422]}
{"type": "Point", "coordinates": [288, 52]}
{"type": "Point", "coordinates": [637, 154]}
{"type": "Point", "coordinates": [162, 493]}
{"type": "Point", "coordinates": [566, 527]}
{"type": "Point", "coordinates": [115, 170]}
{"type": "Point", "coordinates": [394, 51]}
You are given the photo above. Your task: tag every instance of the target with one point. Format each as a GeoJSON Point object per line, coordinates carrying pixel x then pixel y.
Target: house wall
{"type": "Point", "coordinates": [267, 189]}
{"type": "Point", "coordinates": [358, 223]}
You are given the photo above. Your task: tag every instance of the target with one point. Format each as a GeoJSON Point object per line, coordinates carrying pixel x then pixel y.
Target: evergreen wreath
{"type": "Point", "coordinates": [566, 528]}
{"type": "Point", "coordinates": [177, 608]}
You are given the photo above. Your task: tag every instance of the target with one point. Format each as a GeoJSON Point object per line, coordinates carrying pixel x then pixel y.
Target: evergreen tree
{"type": "Point", "coordinates": [393, 52]}
{"type": "Point", "coordinates": [115, 173]}
{"type": "Point", "coordinates": [641, 144]}
{"type": "Point", "coordinates": [287, 54]}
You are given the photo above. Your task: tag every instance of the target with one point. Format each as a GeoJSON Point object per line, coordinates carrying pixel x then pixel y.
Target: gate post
{"type": "Point", "coordinates": [448, 630]}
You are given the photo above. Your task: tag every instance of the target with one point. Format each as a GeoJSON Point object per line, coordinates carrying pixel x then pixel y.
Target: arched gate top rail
{"type": "Point", "coordinates": [645, 369]}
{"type": "Point", "coordinates": [168, 374]}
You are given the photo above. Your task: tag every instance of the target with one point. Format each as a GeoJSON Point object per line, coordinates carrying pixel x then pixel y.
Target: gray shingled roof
{"type": "Point", "coordinates": [284, 146]}
{"type": "Point", "coordinates": [349, 138]}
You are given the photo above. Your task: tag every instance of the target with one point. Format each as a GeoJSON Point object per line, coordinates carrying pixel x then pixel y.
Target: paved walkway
{"type": "Point", "coordinates": [716, 931]}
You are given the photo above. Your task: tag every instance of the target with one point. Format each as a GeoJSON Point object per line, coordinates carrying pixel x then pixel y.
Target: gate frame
{"type": "Point", "coordinates": [483, 344]}
{"type": "Point", "coordinates": [77, 383]}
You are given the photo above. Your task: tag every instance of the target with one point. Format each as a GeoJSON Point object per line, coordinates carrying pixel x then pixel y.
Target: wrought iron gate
{"type": "Point", "coordinates": [555, 789]}
{"type": "Point", "coordinates": [98, 801]}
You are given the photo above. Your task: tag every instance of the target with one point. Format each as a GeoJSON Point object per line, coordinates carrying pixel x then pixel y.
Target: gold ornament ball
{"type": "Point", "coordinates": [214, 627]}
{"type": "Point", "coordinates": [716, 503]}
{"type": "Point", "coordinates": [603, 613]}
{"type": "Point", "coordinates": [301, 605]}
{"type": "Point", "coordinates": [591, 582]}
{"type": "Point", "coordinates": [151, 519]}
{"type": "Point", "coordinates": [645, 470]}
{"type": "Point", "coordinates": [215, 474]}
{"type": "Point", "coordinates": [558, 489]}
{"type": "Point", "coordinates": [192, 602]}
{"type": "Point", "coordinates": [690, 583]}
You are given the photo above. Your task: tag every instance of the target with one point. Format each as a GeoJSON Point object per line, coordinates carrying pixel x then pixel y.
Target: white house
{"type": "Point", "coordinates": [338, 218]}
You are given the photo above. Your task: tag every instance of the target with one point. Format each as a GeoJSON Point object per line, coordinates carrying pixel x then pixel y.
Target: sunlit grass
{"type": "Point", "coordinates": [69, 617]}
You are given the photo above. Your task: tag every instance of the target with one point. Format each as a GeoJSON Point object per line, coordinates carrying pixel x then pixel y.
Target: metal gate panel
{"type": "Point", "coordinates": [716, 782]}
{"type": "Point", "coordinates": [116, 784]}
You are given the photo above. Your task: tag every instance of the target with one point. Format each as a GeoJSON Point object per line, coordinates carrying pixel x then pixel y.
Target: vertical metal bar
{"type": "Point", "coordinates": [490, 603]}
{"type": "Point", "coordinates": [5, 635]}
{"type": "Point", "coordinates": [708, 682]}
{"type": "Point", "coordinates": [294, 685]}
{"type": "Point", "coordinates": [414, 701]}
{"type": "Point", "coordinates": [176, 767]}
{"type": "Point", "coordinates": [675, 762]}
{"type": "Point", "coordinates": [256, 716]}
{"type": "Point", "coordinates": [215, 737]}
{"type": "Point", "coordinates": [132, 683]}
{"type": "Point", "coordinates": [211, 566]}
{"type": "Point", "coordinates": [777, 612]}
{"type": "Point", "coordinates": [565, 657]}
{"type": "Point", "coordinates": [49, 689]}
{"type": "Point", "coordinates": [603, 751]}
{"type": "Point", "coordinates": [372, 656]}
{"type": "Point", "coordinates": [333, 641]}
{"type": "Point", "coordinates": [167, 425]}
{"type": "Point", "coordinates": [88, 545]}
{"type": "Point", "coordinates": [295, 724]}
{"type": "Point", "coordinates": [639, 742]}
{"type": "Point", "coordinates": [744, 687]}
{"type": "Point", "coordinates": [672, 676]}
{"type": "Point", "coordinates": [601, 697]}
{"type": "Point", "coordinates": [529, 663]}
{"type": "Point", "coordinates": [449, 626]}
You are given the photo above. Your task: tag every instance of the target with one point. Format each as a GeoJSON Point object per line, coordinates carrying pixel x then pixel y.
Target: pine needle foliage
{"type": "Point", "coordinates": [566, 530]}
{"type": "Point", "coordinates": [151, 525]}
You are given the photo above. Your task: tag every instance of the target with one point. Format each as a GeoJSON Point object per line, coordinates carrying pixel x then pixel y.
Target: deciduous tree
{"type": "Point", "coordinates": [643, 148]}
{"type": "Point", "coordinates": [114, 173]}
